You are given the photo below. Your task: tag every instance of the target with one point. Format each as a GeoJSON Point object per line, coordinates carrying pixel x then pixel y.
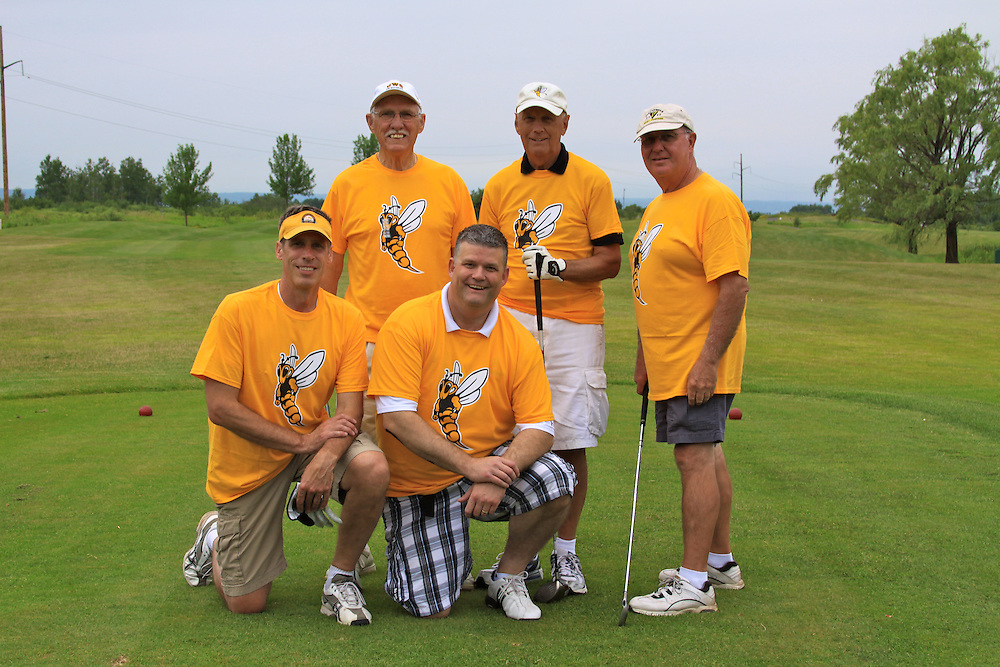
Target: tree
{"type": "Point", "coordinates": [290, 175]}
{"type": "Point", "coordinates": [52, 182]}
{"type": "Point", "coordinates": [94, 181]}
{"type": "Point", "coordinates": [185, 187]}
{"type": "Point", "coordinates": [364, 147]}
{"type": "Point", "coordinates": [137, 185]}
{"type": "Point", "coordinates": [922, 150]}
{"type": "Point", "coordinates": [477, 199]}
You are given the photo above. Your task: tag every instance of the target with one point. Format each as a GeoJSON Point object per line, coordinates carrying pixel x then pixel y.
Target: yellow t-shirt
{"type": "Point", "coordinates": [685, 241]}
{"type": "Point", "coordinates": [564, 213]}
{"type": "Point", "coordinates": [286, 365]}
{"type": "Point", "coordinates": [490, 384]}
{"type": "Point", "coordinates": [400, 228]}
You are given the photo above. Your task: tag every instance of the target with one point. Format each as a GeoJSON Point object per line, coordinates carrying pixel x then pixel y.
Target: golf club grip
{"type": "Point", "coordinates": [538, 310]}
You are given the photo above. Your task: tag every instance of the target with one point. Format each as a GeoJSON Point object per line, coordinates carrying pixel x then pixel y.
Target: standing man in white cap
{"type": "Point", "coordinates": [690, 269]}
{"type": "Point", "coordinates": [558, 214]}
{"type": "Point", "coordinates": [398, 213]}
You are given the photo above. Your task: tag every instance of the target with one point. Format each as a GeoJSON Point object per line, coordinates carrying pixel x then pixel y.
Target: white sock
{"type": "Point", "coordinates": [697, 579]}
{"type": "Point", "coordinates": [564, 547]}
{"type": "Point", "coordinates": [211, 535]}
{"type": "Point", "coordinates": [501, 575]}
{"type": "Point", "coordinates": [334, 571]}
{"type": "Point", "coordinates": [718, 560]}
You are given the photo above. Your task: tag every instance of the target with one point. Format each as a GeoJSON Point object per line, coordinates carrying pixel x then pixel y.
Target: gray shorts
{"type": "Point", "coordinates": [428, 550]}
{"type": "Point", "coordinates": [678, 423]}
{"type": "Point", "coordinates": [250, 549]}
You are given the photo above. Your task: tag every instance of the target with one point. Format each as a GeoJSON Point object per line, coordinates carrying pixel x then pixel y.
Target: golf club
{"type": "Point", "coordinates": [635, 495]}
{"type": "Point", "coordinates": [538, 301]}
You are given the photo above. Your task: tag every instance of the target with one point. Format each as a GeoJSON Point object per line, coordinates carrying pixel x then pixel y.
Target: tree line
{"type": "Point", "coordinates": [921, 151]}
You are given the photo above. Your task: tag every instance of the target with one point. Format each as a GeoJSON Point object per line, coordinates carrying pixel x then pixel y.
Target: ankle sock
{"type": "Point", "coordinates": [719, 560]}
{"type": "Point", "coordinates": [334, 571]}
{"type": "Point", "coordinates": [697, 579]}
{"type": "Point", "coordinates": [564, 547]}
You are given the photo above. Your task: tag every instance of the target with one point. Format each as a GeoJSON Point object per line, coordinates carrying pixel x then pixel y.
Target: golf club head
{"type": "Point", "coordinates": [551, 591]}
{"type": "Point", "coordinates": [624, 616]}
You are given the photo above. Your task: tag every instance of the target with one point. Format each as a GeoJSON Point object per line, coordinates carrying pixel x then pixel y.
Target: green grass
{"type": "Point", "coordinates": [866, 468]}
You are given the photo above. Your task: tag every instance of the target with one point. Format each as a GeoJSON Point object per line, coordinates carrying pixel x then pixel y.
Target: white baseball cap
{"type": "Point", "coordinates": [660, 117]}
{"type": "Point", "coordinates": [395, 87]}
{"type": "Point", "coordinates": [540, 94]}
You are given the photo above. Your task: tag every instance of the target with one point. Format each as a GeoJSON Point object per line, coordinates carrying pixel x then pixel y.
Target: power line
{"type": "Point", "coordinates": [165, 134]}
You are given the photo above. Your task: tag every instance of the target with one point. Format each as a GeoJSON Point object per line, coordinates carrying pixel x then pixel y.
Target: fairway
{"type": "Point", "coordinates": [865, 469]}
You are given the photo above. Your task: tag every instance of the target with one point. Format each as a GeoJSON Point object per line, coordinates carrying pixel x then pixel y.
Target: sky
{"type": "Point", "coordinates": [763, 81]}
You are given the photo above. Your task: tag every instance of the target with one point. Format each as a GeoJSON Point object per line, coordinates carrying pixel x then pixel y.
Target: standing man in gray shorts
{"type": "Point", "coordinates": [558, 212]}
{"type": "Point", "coordinates": [272, 359]}
{"type": "Point", "coordinates": [690, 268]}
{"type": "Point", "coordinates": [465, 421]}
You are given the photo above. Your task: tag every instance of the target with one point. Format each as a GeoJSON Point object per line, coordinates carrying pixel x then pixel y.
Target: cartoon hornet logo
{"type": "Point", "coordinates": [292, 376]}
{"type": "Point", "coordinates": [640, 249]}
{"type": "Point", "coordinates": [454, 394]}
{"type": "Point", "coordinates": [529, 229]}
{"type": "Point", "coordinates": [395, 227]}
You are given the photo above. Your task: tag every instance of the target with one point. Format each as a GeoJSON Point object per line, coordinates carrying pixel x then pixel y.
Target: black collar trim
{"type": "Point", "coordinates": [558, 168]}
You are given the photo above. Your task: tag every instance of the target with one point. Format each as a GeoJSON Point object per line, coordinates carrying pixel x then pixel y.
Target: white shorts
{"type": "Point", "coordinates": [574, 364]}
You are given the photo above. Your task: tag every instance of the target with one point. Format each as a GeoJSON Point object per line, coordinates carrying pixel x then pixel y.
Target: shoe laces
{"type": "Point", "coordinates": [669, 587]}
{"type": "Point", "coordinates": [571, 563]}
{"type": "Point", "coordinates": [347, 592]}
{"type": "Point", "coordinates": [513, 585]}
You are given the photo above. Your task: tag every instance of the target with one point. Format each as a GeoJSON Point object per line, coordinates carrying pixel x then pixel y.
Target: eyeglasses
{"type": "Point", "coordinates": [389, 115]}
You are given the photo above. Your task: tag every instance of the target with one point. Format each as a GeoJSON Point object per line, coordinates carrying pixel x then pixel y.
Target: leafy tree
{"type": "Point", "coordinates": [185, 187]}
{"type": "Point", "coordinates": [923, 148]}
{"type": "Point", "coordinates": [477, 199]}
{"type": "Point", "coordinates": [52, 182]}
{"type": "Point", "coordinates": [364, 147]}
{"type": "Point", "coordinates": [96, 181]}
{"type": "Point", "coordinates": [290, 175]}
{"type": "Point", "coordinates": [137, 185]}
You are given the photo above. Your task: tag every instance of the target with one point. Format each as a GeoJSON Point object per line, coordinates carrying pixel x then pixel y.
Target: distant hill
{"type": "Point", "coordinates": [759, 205]}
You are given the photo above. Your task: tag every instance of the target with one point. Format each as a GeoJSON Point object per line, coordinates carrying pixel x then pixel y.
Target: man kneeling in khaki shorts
{"type": "Point", "coordinates": [272, 359]}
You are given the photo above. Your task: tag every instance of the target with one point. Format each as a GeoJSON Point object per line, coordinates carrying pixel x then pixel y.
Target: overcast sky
{"type": "Point", "coordinates": [764, 79]}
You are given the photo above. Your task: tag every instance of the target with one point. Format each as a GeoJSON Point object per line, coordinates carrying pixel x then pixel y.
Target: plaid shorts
{"type": "Point", "coordinates": [428, 536]}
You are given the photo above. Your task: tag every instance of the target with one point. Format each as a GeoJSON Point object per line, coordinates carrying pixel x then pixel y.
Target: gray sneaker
{"type": "Point", "coordinates": [676, 596]}
{"type": "Point", "coordinates": [567, 569]}
{"type": "Point", "coordinates": [366, 563]}
{"type": "Point", "coordinates": [511, 595]}
{"type": "Point", "coordinates": [728, 576]}
{"type": "Point", "coordinates": [343, 600]}
{"type": "Point", "coordinates": [532, 573]}
{"type": "Point", "coordinates": [197, 562]}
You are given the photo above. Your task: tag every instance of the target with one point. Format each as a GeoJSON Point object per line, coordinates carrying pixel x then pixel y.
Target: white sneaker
{"type": "Point", "coordinates": [197, 562]}
{"type": "Point", "coordinates": [511, 594]}
{"type": "Point", "coordinates": [532, 573]}
{"type": "Point", "coordinates": [676, 596]}
{"type": "Point", "coordinates": [470, 582]}
{"type": "Point", "coordinates": [342, 599]}
{"type": "Point", "coordinates": [728, 576]}
{"type": "Point", "coordinates": [567, 569]}
{"type": "Point", "coordinates": [366, 563]}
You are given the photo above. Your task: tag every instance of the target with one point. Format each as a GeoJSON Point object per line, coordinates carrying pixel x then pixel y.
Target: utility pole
{"type": "Point", "coordinates": [741, 170]}
{"type": "Point", "coordinates": [3, 122]}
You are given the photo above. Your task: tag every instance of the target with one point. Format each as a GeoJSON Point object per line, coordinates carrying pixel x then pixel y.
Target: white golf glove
{"type": "Point", "coordinates": [324, 518]}
{"type": "Point", "coordinates": [541, 265]}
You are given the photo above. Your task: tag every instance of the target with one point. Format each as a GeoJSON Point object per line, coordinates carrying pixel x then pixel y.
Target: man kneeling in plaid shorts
{"type": "Point", "coordinates": [454, 376]}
